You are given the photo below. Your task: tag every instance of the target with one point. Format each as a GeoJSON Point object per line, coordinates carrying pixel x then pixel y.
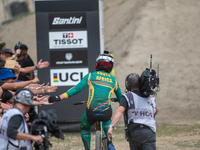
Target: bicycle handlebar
{"type": "Point", "coordinates": [85, 102]}
{"type": "Point", "coordinates": [80, 103]}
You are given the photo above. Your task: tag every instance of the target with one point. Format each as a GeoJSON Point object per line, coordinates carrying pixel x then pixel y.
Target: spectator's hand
{"type": "Point", "coordinates": [36, 80]}
{"type": "Point", "coordinates": [36, 98]}
{"type": "Point", "coordinates": [50, 89]}
{"type": "Point", "coordinates": [45, 100]}
{"type": "Point", "coordinates": [54, 98]}
{"type": "Point", "coordinates": [39, 99]}
{"type": "Point", "coordinates": [17, 68]}
{"type": "Point", "coordinates": [41, 64]}
{"type": "Point", "coordinates": [35, 86]}
{"type": "Point", "coordinates": [110, 132]}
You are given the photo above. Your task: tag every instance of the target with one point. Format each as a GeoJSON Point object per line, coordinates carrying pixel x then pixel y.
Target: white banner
{"type": "Point", "coordinates": [67, 77]}
{"type": "Point", "coordinates": [68, 39]}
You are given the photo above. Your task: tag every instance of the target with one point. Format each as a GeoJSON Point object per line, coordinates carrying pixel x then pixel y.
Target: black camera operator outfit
{"type": "Point", "coordinates": [140, 118]}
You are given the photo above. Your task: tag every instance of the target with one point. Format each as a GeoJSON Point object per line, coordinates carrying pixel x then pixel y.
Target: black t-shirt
{"type": "Point", "coordinates": [123, 102]}
{"type": "Point", "coordinates": [13, 125]}
{"type": "Point", "coordinates": [6, 95]}
{"type": "Point", "coordinates": [24, 63]}
{"type": "Point", "coordinates": [30, 61]}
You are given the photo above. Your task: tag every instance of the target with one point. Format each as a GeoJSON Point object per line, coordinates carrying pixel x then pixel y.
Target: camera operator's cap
{"type": "Point", "coordinates": [6, 73]}
{"type": "Point", "coordinates": [24, 96]}
{"type": "Point", "coordinates": [7, 51]}
{"type": "Point", "coordinates": [10, 64]}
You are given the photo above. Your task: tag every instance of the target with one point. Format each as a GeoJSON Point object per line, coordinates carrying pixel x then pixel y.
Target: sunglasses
{"type": "Point", "coordinates": [7, 55]}
{"type": "Point", "coordinates": [1, 47]}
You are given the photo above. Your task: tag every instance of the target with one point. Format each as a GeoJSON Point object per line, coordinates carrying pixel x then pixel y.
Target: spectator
{"type": "Point", "coordinates": [6, 54]}
{"type": "Point", "coordinates": [11, 64]}
{"type": "Point", "coordinates": [24, 50]}
{"type": "Point", "coordinates": [2, 44]}
{"type": "Point", "coordinates": [8, 84]}
{"type": "Point", "coordinates": [23, 62]}
{"type": "Point", "coordinates": [2, 63]}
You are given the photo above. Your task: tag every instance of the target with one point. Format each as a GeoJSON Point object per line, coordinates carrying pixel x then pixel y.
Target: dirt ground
{"type": "Point", "coordinates": [134, 29]}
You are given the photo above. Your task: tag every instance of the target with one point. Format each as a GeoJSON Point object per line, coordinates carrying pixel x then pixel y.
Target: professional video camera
{"type": "Point", "coordinates": [149, 82]}
{"type": "Point", "coordinates": [46, 126]}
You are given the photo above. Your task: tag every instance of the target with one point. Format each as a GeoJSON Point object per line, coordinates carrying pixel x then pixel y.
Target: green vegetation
{"type": "Point", "coordinates": [169, 136]}
{"type": "Point", "coordinates": [177, 130]}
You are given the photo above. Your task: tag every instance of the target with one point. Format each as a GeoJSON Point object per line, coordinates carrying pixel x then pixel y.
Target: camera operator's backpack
{"type": "Point", "coordinates": [149, 82]}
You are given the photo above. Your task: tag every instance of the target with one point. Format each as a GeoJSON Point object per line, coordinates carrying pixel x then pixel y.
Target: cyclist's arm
{"type": "Point", "coordinates": [118, 92]}
{"type": "Point", "coordinates": [76, 89]}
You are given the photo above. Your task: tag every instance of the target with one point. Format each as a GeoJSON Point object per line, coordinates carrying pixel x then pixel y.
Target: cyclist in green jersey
{"type": "Point", "coordinates": [102, 85]}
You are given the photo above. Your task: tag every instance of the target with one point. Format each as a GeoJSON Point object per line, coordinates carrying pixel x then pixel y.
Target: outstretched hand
{"type": "Point", "coordinates": [41, 64]}
{"type": "Point", "coordinates": [45, 100]}
{"type": "Point", "coordinates": [50, 89]}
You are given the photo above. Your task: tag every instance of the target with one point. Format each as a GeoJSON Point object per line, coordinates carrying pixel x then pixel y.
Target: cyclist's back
{"type": "Point", "coordinates": [102, 85]}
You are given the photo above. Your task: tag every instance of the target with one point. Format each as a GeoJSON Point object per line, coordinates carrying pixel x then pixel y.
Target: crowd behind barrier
{"type": "Point", "coordinates": [16, 72]}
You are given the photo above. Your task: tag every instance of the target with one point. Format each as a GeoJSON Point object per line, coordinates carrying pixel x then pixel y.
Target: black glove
{"type": "Point", "coordinates": [54, 98]}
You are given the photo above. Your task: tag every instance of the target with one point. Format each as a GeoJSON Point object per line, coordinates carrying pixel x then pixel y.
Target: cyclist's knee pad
{"type": "Point", "coordinates": [85, 134]}
{"type": "Point", "coordinates": [86, 137]}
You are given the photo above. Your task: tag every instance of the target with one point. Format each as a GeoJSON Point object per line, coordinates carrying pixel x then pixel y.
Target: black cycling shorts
{"type": "Point", "coordinates": [93, 116]}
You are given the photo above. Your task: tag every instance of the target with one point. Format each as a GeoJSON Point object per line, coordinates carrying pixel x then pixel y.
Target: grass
{"type": "Point", "coordinates": [176, 130]}
{"type": "Point", "coordinates": [188, 143]}
{"type": "Point", "coordinates": [174, 136]}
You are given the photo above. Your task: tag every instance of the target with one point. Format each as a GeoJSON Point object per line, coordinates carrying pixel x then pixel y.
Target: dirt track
{"type": "Point", "coordinates": [135, 29]}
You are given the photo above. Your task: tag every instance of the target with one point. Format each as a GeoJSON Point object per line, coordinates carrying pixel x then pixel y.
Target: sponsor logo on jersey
{"type": "Point", "coordinates": [67, 77]}
{"type": "Point", "coordinates": [72, 39]}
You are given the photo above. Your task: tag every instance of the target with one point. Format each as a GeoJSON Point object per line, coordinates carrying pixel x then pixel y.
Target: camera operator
{"type": "Point", "coordinates": [14, 133]}
{"type": "Point", "coordinates": [140, 114]}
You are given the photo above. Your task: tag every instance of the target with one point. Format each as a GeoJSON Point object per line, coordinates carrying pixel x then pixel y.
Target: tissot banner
{"type": "Point", "coordinates": [68, 39]}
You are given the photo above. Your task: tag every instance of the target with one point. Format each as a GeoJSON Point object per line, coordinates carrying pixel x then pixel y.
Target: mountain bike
{"type": "Point", "coordinates": [101, 140]}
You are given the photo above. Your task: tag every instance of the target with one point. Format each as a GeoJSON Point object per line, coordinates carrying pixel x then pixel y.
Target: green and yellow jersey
{"type": "Point", "coordinates": [102, 85]}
